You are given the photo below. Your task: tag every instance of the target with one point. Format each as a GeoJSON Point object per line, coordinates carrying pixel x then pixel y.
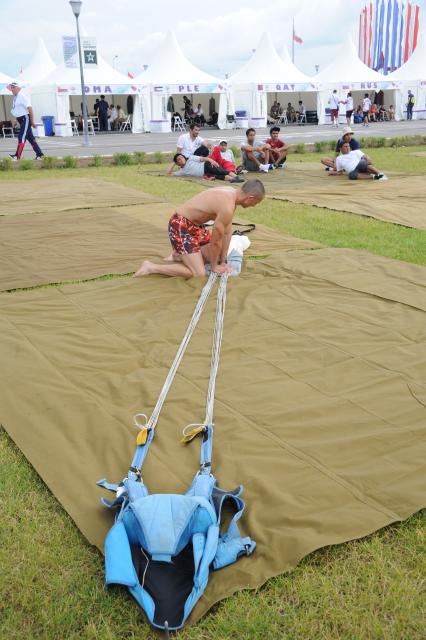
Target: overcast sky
{"type": "Point", "coordinates": [218, 41]}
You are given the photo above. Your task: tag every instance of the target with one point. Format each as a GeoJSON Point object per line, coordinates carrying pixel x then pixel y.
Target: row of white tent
{"type": "Point", "coordinates": [267, 76]}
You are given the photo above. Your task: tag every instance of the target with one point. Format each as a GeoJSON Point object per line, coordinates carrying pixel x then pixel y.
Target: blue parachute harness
{"type": "Point", "coordinates": [163, 546]}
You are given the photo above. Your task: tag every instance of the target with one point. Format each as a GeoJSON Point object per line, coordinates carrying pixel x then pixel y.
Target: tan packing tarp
{"type": "Point", "coordinates": [321, 396]}
{"type": "Point", "coordinates": [400, 200]}
{"type": "Point", "coordinates": [64, 194]}
{"type": "Point", "coordinates": [85, 244]}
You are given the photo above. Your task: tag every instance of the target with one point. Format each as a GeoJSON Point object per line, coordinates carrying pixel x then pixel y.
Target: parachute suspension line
{"type": "Point", "coordinates": [217, 343]}
{"type": "Point", "coordinates": [152, 422]}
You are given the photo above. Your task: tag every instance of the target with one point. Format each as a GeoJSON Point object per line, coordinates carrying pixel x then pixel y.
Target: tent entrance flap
{"type": "Point", "coordinates": [163, 546]}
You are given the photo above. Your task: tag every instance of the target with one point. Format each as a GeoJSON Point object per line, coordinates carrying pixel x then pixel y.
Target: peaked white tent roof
{"type": "Point", "coordinates": [103, 76]}
{"type": "Point", "coordinates": [415, 67]}
{"type": "Point", "coordinates": [40, 66]}
{"type": "Point", "coordinates": [170, 66]}
{"type": "Point", "coordinates": [294, 73]}
{"type": "Point", "coordinates": [267, 67]}
{"type": "Point", "coordinates": [348, 68]}
{"type": "Point", "coordinates": [4, 79]}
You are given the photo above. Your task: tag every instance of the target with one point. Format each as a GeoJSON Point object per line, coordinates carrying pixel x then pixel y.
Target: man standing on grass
{"type": "Point", "coordinates": [22, 111]}
{"type": "Point", "coordinates": [193, 245]}
{"type": "Point", "coordinates": [356, 164]}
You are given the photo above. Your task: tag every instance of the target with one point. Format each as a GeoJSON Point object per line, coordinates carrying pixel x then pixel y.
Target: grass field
{"type": "Point", "coordinates": [52, 584]}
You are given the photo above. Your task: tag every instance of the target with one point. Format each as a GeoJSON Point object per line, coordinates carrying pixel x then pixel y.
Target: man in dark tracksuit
{"type": "Point", "coordinates": [410, 105]}
{"type": "Point", "coordinates": [103, 114]}
{"type": "Point", "coordinates": [23, 113]}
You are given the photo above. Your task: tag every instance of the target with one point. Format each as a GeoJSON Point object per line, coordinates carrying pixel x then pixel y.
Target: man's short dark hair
{"type": "Point", "coordinates": [273, 129]}
{"type": "Point", "coordinates": [176, 156]}
{"type": "Point", "coordinates": [254, 188]}
{"type": "Point", "coordinates": [250, 130]}
{"type": "Point", "coordinates": [102, 97]}
{"type": "Point", "coordinates": [193, 125]}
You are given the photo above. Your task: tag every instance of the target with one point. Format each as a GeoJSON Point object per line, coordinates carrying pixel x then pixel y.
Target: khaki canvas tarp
{"type": "Point", "coordinates": [84, 244]}
{"type": "Point", "coordinates": [400, 200]}
{"type": "Point", "coordinates": [64, 194]}
{"type": "Point", "coordinates": [321, 396]}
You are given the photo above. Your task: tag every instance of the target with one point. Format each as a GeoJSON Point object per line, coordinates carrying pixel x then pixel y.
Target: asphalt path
{"type": "Point", "coordinates": [106, 144]}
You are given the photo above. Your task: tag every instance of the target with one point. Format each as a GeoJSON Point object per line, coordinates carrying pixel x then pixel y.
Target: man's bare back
{"type": "Point", "coordinates": [192, 244]}
{"type": "Point", "coordinates": [209, 205]}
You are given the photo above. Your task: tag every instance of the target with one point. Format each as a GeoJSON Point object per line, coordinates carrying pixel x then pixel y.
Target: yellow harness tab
{"type": "Point", "coordinates": [190, 435]}
{"type": "Point", "coordinates": [142, 437]}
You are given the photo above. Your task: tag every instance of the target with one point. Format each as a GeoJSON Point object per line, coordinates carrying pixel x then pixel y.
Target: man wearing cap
{"type": "Point", "coordinates": [347, 136]}
{"type": "Point", "coordinates": [224, 156]}
{"type": "Point", "coordinates": [22, 111]}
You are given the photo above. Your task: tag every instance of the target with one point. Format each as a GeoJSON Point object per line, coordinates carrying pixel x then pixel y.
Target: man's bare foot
{"type": "Point", "coordinates": [144, 269]}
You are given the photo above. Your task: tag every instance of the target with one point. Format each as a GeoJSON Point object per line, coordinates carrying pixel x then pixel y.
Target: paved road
{"type": "Point", "coordinates": [106, 144]}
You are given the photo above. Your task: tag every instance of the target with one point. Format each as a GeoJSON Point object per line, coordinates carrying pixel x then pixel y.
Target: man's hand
{"type": "Point", "coordinates": [222, 268]}
{"type": "Point", "coordinates": [212, 162]}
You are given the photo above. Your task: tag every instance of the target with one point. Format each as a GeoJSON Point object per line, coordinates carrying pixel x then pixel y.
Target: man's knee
{"type": "Point", "coordinates": [353, 175]}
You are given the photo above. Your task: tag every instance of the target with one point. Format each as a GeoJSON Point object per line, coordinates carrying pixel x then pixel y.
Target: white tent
{"type": "Point", "coordinates": [4, 81]}
{"type": "Point", "coordinates": [346, 73]}
{"type": "Point", "coordinates": [266, 72]}
{"type": "Point", "coordinates": [41, 65]}
{"type": "Point", "coordinates": [171, 75]}
{"type": "Point", "coordinates": [51, 96]}
{"type": "Point", "coordinates": [412, 75]}
{"type": "Point", "coordinates": [4, 111]}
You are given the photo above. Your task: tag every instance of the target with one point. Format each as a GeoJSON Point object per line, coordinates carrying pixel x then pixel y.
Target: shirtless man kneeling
{"type": "Point", "coordinates": [194, 245]}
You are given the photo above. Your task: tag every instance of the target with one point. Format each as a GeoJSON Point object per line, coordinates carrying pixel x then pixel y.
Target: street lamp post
{"type": "Point", "coordinates": [76, 8]}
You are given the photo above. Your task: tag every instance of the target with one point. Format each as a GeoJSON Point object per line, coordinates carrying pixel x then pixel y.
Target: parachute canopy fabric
{"type": "Point", "coordinates": [320, 409]}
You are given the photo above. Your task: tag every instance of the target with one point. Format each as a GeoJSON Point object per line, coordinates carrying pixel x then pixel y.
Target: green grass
{"type": "Point", "coordinates": [52, 580]}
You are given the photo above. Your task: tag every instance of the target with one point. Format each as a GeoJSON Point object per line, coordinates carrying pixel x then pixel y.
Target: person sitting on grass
{"type": "Point", "coordinates": [192, 244]}
{"type": "Point", "coordinates": [191, 143]}
{"type": "Point", "coordinates": [277, 148]}
{"type": "Point", "coordinates": [201, 167]}
{"type": "Point", "coordinates": [224, 156]}
{"type": "Point", "coordinates": [347, 136]}
{"type": "Point", "coordinates": [255, 154]}
{"type": "Point", "coordinates": [356, 164]}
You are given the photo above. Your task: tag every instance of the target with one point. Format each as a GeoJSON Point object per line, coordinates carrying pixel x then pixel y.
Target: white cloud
{"type": "Point", "coordinates": [216, 38]}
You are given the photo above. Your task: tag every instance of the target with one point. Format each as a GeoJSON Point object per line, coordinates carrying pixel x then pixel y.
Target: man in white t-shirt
{"type": "Point", "coordinates": [334, 103]}
{"type": "Point", "coordinates": [356, 164]}
{"type": "Point", "coordinates": [349, 104]}
{"type": "Point", "coordinates": [366, 106]}
{"type": "Point", "coordinates": [191, 144]}
{"type": "Point", "coordinates": [22, 111]}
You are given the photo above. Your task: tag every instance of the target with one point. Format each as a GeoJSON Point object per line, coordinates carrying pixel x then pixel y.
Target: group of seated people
{"type": "Point", "coordinates": [293, 115]}
{"type": "Point", "coordinates": [377, 113]}
{"type": "Point", "coordinates": [196, 157]}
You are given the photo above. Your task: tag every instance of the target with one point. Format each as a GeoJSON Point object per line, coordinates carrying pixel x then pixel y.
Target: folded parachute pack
{"type": "Point", "coordinates": [162, 547]}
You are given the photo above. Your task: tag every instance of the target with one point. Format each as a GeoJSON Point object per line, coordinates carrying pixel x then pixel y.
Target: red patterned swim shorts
{"type": "Point", "coordinates": [185, 236]}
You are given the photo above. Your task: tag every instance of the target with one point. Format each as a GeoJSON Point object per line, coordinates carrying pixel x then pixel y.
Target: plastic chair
{"type": "Point", "coordinates": [126, 125]}
{"type": "Point", "coordinates": [301, 118]}
{"type": "Point", "coordinates": [74, 128]}
{"type": "Point", "coordinates": [179, 124]}
{"type": "Point", "coordinates": [90, 127]}
{"type": "Point", "coordinates": [8, 131]}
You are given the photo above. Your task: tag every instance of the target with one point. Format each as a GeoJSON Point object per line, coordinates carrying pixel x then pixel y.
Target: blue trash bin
{"type": "Point", "coordinates": [48, 125]}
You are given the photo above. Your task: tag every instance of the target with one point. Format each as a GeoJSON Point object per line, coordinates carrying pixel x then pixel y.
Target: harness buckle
{"type": "Point", "coordinates": [136, 472]}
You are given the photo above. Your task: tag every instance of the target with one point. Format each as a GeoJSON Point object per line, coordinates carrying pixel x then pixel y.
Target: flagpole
{"type": "Point", "coordinates": [292, 45]}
